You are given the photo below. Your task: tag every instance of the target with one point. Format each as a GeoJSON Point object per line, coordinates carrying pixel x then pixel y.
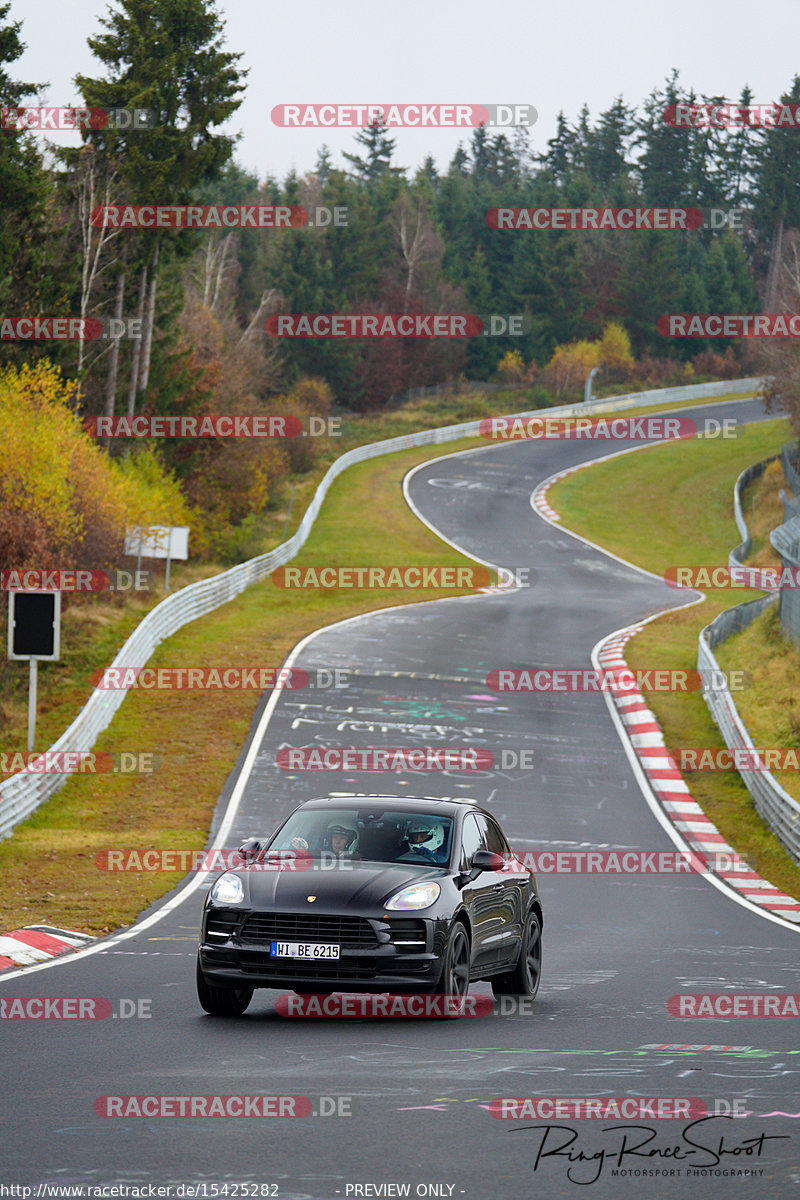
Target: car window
{"type": "Point", "coordinates": [495, 839]}
{"type": "Point", "coordinates": [383, 835]}
{"type": "Point", "coordinates": [472, 839]}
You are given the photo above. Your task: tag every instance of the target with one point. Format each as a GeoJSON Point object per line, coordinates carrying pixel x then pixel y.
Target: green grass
{"type": "Point", "coordinates": [673, 505]}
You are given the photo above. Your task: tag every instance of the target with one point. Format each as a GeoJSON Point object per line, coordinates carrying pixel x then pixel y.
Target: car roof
{"type": "Point", "coordinates": [427, 804]}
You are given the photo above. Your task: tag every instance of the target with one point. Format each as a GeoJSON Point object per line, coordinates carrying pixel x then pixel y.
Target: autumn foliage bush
{"type": "Point", "coordinates": [63, 502]}
{"type": "Point", "coordinates": [566, 372]}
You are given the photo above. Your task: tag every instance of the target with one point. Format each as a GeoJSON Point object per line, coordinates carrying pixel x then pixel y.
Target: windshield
{"type": "Point", "coordinates": [380, 835]}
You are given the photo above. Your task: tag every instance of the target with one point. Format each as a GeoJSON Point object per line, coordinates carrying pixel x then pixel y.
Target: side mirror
{"type": "Point", "coordinates": [487, 860]}
{"type": "Point", "coordinates": [250, 849]}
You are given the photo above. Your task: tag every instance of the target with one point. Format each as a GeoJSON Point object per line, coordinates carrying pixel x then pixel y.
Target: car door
{"type": "Point", "coordinates": [509, 896]}
{"type": "Point", "coordinates": [482, 896]}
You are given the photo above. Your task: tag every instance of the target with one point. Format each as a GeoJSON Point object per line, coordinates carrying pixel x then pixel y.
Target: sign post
{"type": "Point", "coordinates": [34, 632]}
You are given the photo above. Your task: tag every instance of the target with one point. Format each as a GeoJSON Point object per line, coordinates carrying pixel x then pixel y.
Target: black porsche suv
{"type": "Point", "coordinates": [392, 894]}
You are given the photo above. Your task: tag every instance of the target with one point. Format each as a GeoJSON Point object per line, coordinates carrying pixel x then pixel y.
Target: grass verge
{"type": "Point", "coordinates": [673, 505]}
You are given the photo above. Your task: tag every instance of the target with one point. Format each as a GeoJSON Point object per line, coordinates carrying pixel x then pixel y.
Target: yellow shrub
{"type": "Point", "coordinates": [615, 348]}
{"type": "Point", "coordinates": [63, 502]}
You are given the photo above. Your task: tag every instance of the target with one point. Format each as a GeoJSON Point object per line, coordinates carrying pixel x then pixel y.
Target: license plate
{"type": "Point", "coordinates": [304, 950]}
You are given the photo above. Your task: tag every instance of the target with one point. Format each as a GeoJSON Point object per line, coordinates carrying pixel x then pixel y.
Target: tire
{"type": "Point", "coordinates": [524, 979]}
{"type": "Point", "coordinates": [454, 979]}
{"type": "Point", "coordinates": [221, 1001]}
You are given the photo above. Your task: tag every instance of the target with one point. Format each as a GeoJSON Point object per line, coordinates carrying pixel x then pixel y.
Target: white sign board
{"type": "Point", "coordinates": [158, 541]}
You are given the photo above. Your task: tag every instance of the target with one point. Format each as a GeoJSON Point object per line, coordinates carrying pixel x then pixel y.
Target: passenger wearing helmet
{"type": "Point", "coordinates": [423, 840]}
{"type": "Point", "coordinates": [341, 841]}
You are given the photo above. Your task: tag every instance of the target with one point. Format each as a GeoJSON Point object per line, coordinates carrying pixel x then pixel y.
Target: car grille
{"type": "Point", "coordinates": [408, 935]}
{"type": "Point", "coordinates": [350, 932]}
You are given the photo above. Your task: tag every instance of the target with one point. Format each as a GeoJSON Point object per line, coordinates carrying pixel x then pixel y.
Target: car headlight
{"type": "Point", "coordinates": [417, 895]}
{"type": "Point", "coordinates": [228, 889]}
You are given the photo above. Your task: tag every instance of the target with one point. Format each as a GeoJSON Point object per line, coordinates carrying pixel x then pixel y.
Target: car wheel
{"type": "Point", "coordinates": [222, 1001]}
{"type": "Point", "coordinates": [523, 980]}
{"type": "Point", "coordinates": [454, 979]}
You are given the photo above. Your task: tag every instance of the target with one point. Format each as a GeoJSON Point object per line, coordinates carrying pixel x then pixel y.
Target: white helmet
{"type": "Point", "coordinates": [432, 831]}
{"type": "Point", "coordinates": [345, 831]}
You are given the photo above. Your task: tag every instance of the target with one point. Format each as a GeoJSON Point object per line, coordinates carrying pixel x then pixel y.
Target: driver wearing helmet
{"type": "Point", "coordinates": [424, 840]}
{"type": "Point", "coordinates": [341, 840]}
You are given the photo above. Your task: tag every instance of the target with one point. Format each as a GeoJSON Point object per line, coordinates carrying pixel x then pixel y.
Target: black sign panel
{"type": "Point", "coordinates": [34, 629]}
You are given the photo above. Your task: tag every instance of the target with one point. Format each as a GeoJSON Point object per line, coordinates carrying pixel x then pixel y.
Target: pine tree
{"type": "Point", "coordinates": [376, 162]}
{"type": "Point", "coordinates": [30, 281]}
{"type": "Point", "coordinates": [323, 165]}
{"type": "Point", "coordinates": [560, 155]}
{"type": "Point", "coordinates": [777, 190]}
{"type": "Point", "coordinates": [167, 58]}
{"type": "Point", "coordinates": [665, 167]}
{"type": "Point", "coordinates": [609, 144]}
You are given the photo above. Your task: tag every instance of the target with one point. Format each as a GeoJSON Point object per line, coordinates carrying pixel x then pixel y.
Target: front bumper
{"type": "Point", "coordinates": [397, 955]}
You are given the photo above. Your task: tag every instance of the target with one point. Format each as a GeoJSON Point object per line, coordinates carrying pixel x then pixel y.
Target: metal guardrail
{"type": "Point", "coordinates": [791, 503]}
{"type": "Point", "coordinates": [786, 540]}
{"type": "Point", "coordinates": [789, 458]}
{"type": "Point", "coordinates": [21, 794]}
{"type": "Point", "coordinates": [773, 803]}
{"type": "Point", "coordinates": [740, 552]}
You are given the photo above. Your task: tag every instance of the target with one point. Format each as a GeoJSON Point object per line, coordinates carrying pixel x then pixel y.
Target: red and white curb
{"type": "Point", "coordinates": [37, 943]}
{"type": "Point", "coordinates": [539, 500]}
{"type": "Point", "coordinates": [665, 779]}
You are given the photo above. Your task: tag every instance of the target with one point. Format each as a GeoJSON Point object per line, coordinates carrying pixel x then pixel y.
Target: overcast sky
{"type": "Point", "coordinates": [553, 55]}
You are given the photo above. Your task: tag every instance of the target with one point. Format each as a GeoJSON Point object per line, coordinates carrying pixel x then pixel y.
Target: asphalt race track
{"type": "Point", "coordinates": [615, 947]}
